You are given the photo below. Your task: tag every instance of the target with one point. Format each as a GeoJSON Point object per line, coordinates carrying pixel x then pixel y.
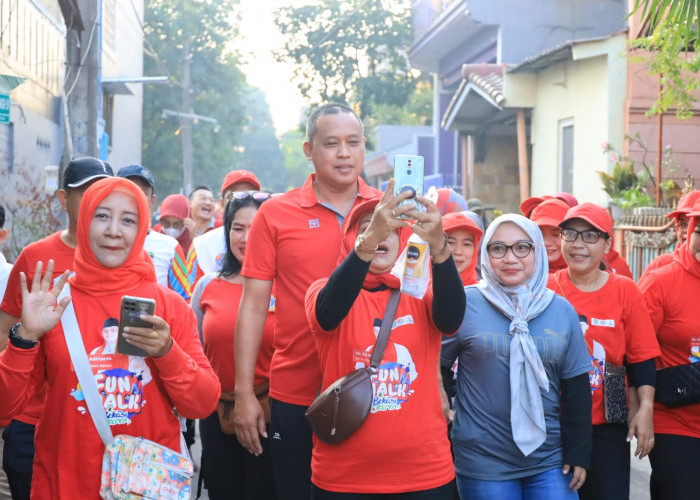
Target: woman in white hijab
{"type": "Point", "coordinates": [522, 428]}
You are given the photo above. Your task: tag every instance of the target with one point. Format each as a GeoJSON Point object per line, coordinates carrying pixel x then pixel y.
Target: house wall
{"type": "Point", "coordinates": [496, 180]}
{"type": "Point", "coordinates": [590, 93]}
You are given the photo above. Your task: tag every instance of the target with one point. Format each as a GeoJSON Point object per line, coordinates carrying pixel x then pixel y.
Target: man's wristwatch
{"type": "Point", "coordinates": [361, 246]}
{"type": "Point", "coordinates": [18, 341]}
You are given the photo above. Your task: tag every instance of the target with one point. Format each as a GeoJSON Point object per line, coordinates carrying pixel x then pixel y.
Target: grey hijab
{"type": "Point", "coordinates": [521, 304]}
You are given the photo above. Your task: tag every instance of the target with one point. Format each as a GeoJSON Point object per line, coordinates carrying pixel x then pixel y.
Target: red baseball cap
{"type": "Point", "coordinates": [549, 213]}
{"type": "Point", "coordinates": [567, 198]}
{"type": "Point", "coordinates": [595, 215]}
{"type": "Point", "coordinates": [527, 206]}
{"type": "Point", "coordinates": [686, 204]}
{"type": "Point", "coordinates": [458, 220]}
{"type": "Point", "coordinates": [695, 211]}
{"type": "Point", "coordinates": [236, 176]}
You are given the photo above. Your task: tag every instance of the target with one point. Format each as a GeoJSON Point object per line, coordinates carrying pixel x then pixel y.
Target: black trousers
{"type": "Point", "coordinates": [445, 492]}
{"type": "Point", "coordinates": [229, 470]}
{"type": "Point", "coordinates": [609, 477]}
{"type": "Point", "coordinates": [290, 450]}
{"type": "Point", "coordinates": [18, 458]}
{"type": "Point", "coordinates": [675, 462]}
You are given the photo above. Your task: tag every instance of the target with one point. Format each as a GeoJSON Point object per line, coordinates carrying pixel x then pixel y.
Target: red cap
{"type": "Point", "coordinates": [236, 176]}
{"type": "Point", "coordinates": [458, 220]}
{"type": "Point", "coordinates": [695, 211]}
{"type": "Point", "coordinates": [567, 198]}
{"type": "Point", "coordinates": [549, 213]}
{"type": "Point", "coordinates": [685, 204]}
{"type": "Point", "coordinates": [175, 205]}
{"type": "Point", "coordinates": [527, 206]}
{"type": "Point", "coordinates": [595, 215]}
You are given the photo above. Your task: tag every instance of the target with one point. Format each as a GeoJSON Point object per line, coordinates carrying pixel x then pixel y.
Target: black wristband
{"type": "Point", "coordinates": [18, 341]}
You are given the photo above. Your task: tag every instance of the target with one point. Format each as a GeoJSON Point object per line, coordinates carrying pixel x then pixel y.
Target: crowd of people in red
{"type": "Point", "coordinates": [498, 380]}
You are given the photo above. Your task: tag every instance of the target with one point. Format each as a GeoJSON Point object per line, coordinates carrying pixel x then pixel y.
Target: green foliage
{"type": "Point", "coordinates": [297, 165]}
{"type": "Point", "coordinates": [258, 149]}
{"type": "Point", "coordinates": [351, 51]}
{"type": "Point", "coordinates": [676, 67]}
{"type": "Point", "coordinates": [628, 187]}
{"type": "Point", "coordinates": [680, 14]}
{"type": "Point", "coordinates": [201, 29]}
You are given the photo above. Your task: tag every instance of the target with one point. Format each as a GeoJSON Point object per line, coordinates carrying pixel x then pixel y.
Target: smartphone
{"type": "Point", "coordinates": [408, 176]}
{"type": "Point", "coordinates": [131, 309]}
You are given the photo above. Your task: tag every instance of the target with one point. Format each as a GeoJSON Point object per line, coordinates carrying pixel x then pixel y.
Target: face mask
{"type": "Point", "coordinates": [173, 231]}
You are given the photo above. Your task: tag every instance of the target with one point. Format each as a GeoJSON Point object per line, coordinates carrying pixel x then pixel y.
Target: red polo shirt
{"type": "Point", "coordinates": [295, 240]}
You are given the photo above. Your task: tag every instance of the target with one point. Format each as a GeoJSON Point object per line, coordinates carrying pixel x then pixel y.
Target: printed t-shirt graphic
{"type": "Point", "coordinates": [120, 378]}
{"type": "Point", "coordinates": [391, 385]}
{"type": "Point", "coordinates": [597, 354]}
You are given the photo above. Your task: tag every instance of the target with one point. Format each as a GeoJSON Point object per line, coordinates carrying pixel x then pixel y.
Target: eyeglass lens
{"type": "Point", "coordinates": [520, 249]}
{"type": "Point", "coordinates": [588, 236]}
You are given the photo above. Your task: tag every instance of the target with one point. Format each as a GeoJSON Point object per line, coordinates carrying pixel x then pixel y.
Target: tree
{"type": "Point", "coordinates": [258, 149]}
{"type": "Point", "coordinates": [174, 31]}
{"type": "Point", "coordinates": [352, 51]}
{"type": "Point", "coordinates": [670, 42]}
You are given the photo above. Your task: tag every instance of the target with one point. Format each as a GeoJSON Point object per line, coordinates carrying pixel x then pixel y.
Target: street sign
{"type": "Point", "coordinates": [4, 108]}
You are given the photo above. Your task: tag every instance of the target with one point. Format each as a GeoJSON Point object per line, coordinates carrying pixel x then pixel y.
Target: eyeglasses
{"type": "Point", "coordinates": [245, 195]}
{"type": "Point", "coordinates": [520, 249]}
{"type": "Point", "coordinates": [588, 236]}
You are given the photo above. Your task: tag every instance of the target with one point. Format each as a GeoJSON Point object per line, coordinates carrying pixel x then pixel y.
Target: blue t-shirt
{"type": "Point", "coordinates": [482, 436]}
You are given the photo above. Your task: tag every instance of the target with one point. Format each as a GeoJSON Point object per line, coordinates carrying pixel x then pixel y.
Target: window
{"type": "Point", "coordinates": [566, 156]}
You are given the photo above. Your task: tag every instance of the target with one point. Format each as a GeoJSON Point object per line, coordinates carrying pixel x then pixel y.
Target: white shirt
{"type": "Point", "coordinates": [210, 249]}
{"type": "Point", "coordinates": [5, 268]}
{"type": "Point", "coordinates": [161, 248]}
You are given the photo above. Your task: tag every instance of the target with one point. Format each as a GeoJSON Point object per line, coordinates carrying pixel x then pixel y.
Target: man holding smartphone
{"type": "Point", "coordinates": [295, 240]}
{"type": "Point", "coordinates": [81, 173]}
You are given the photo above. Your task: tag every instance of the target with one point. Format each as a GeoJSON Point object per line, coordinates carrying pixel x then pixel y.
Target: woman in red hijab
{"type": "Point", "coordinates": [175, 220]}
{"type": "Point", "coordinates": [671, 294]}
{"type": "Point", "coordinates": [463, 236]}
{"type": "Point", "coordinates": [402, 447]}
{"type": "Point", "coordinates": [138, 393]}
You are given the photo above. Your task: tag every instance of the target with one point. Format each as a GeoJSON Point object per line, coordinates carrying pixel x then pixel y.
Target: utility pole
{"type": "Point", "coordinates": [186, 123]}
{"type": "Point", "coordinates": [82, 85]}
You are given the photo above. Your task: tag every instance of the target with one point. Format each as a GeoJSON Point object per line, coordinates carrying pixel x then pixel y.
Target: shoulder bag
{"type": "Point", "coordinates": [343, 407]}
{"type": "Point", "coordinates": [678, 385]}
{"type": "Point", "coordinates": [132, 467]}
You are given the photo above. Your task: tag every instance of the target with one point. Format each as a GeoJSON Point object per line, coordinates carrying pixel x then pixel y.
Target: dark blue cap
{"type": "Point", "coordinates": [85, 169]}
{"type": "Point", "coordinates": [137, 171]}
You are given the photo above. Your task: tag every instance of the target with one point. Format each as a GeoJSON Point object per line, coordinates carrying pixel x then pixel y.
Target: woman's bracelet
{"type": "Point", "coordinates": [442, 250]}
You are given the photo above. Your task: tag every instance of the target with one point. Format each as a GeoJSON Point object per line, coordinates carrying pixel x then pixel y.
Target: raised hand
{"type": "Point", "coordinates": [40, 312]}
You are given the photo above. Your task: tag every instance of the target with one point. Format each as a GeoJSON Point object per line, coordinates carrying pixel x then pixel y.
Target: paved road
{"type": "Point", "coordinates": [639, 473]}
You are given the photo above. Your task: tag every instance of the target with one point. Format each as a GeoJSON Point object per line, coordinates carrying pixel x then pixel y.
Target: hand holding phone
{"type": "Point", "coordinates": [408, 176]}
{"type": "Point", "coordinates": [130, 315]}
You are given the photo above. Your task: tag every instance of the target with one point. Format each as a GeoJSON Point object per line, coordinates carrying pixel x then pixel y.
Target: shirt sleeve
{"type": "Point", "coordinates": [262, 263]}
{"type": "Point", "coordinates": [640, 337]}
{"type": "Point", "coordinates": [12, 300]}
{"type": "Point", "coordinates": [21, 375]}
{"type": "Point", "coordinates": [449, 301]}
{"type": "Point", "coordinates": [654, 300]}
{"type": "Point", "coordinates": [576, 426]}
{"type": "Point", "coordinates": [577, 360]}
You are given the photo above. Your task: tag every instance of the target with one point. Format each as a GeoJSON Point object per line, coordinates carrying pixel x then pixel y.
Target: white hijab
{"type": "Point", "coordinates": [521, 304]}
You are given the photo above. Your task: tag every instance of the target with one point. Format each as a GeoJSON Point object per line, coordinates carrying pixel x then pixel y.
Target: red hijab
{"type": "Point", "coordinates": [351, 228]}
{"type": "Point", "coordinates": [92, 277]}
{"type": "Point", "coordinates": [683, 256]}
{"type": "Point", "coordinates": [458, 220]}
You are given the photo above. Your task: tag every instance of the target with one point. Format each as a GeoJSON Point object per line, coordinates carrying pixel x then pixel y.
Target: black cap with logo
{"type": "Point", "coordinates": [85, 169]}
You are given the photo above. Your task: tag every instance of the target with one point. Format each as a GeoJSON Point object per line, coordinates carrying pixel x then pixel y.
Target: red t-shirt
{"type": "Point", "coordinates": [671, 295]}
{"type": "Point", "coordinates": [662, 260]}
{"type": "Point", "coordinates": [219, 303]}
{"type": "Point", "coordinates": [617, 264]}
{"type": "Point", "coordinates": [615, 324]}
{"type": "Point", "coordinates": [138, 394]}
{"type": "Point", "coordinates": [295, 240]}
{"type": "Point", "coordinates": [403, 445]}
{"type": "Point", "coordinates": [51, 247]}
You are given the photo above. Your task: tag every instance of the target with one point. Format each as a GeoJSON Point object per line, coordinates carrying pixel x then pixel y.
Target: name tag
{"type": "Point", "coordinates": [610, 323]}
